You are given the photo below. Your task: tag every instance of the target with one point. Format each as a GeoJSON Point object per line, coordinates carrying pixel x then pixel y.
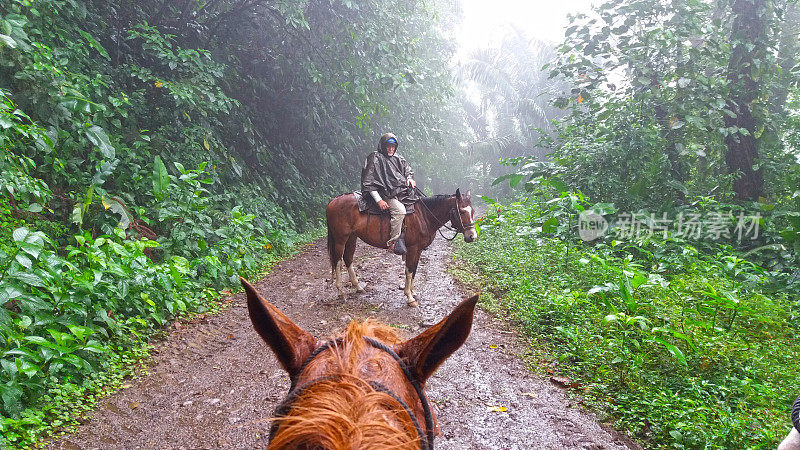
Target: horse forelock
{"type": "Point", "coordinates": [354, 347]}
{"type": "Point", "coordinates": [344, 411]}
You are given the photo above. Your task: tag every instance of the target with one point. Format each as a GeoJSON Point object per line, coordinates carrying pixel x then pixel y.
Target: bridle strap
{"type": "Point", "coordinates": [378, 387]}
{"type": "Point", "coordinates": [333, 343]}
{"type": "Point", "coordinates": [426, 408]}
{"type": "Point", "coordinates": [441, 224]}
{"type": "Point", "coordinates": [426, 440]}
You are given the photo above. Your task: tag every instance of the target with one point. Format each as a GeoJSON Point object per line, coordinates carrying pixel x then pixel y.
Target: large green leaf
{"type": "Point", "coordinates": [9, 292]}
{"type": "Point", "coordinates": [11, 394]}
{"type": "Point", "coordinates": [5, 318]}
{"type": "Point", "coordinates": [8, 40]}
{"type": "Point", "coordinates": [160, 178]}
{"type": "Point", "coordinates": [27, 278]}
{"type": "Point", "coordinates": [674, 351]}
{"type": "Point", "coordinates": [117, 206]}
{"type": "Point", "coordinates": [550, 225]}
{"type": "Point", "coordinates": [94, 44]}
{"type": "Point", "coordinates": [100, 139]}
{"type": "Point", "coordinates": [77, 214]}
{"type": "Point", "coordinates": [20, 234]}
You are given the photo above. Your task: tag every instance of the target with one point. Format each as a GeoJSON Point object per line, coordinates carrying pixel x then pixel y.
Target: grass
{"type": "Point", "coordinates": [676, 350]}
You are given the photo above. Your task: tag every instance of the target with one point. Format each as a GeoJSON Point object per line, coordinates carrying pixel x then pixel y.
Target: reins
{"type": "Point", "coordinates": [425, 440]}
{"type": "Point", "coordinates": [444, 223]}
{"type": "Point", "coordinates": [426, 408]}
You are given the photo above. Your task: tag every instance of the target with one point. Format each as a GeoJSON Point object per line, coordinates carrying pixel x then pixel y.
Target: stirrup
{"type": "Point", "coordinates": [400, 246]}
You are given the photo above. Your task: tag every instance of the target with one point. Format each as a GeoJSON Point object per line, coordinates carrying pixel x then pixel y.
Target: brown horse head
{"type": "Point", "coordinates": [364, 389]}
{"type": "Point", "coordinates": [462, 217]}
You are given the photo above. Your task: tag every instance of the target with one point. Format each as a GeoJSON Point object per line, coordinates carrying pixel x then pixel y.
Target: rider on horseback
{"type": "Point", "coordinates": [386, 177]}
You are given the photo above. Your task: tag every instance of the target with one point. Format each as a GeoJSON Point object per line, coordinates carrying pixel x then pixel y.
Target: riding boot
{"type": "Point", "coordinates": [400, 244]}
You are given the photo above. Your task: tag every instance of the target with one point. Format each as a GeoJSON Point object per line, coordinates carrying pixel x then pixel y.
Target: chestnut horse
{"type": "Point", "coordinates": [346, 224]}
{"type": "Point", "coordinates": [364, 389]}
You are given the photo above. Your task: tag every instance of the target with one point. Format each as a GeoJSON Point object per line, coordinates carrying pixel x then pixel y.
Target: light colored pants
{"type": "Point", "coordinates": [398, 211]}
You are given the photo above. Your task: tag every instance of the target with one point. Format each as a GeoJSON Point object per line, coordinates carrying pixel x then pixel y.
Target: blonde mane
{"type": "Point", "coordinates": [340, 409]}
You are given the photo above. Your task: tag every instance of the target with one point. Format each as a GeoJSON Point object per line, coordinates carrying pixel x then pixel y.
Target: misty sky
{"type": "Point", "coordinates": [485, 21]}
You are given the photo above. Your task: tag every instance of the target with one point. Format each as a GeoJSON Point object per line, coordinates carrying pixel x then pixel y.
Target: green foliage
{"type": "Point", "coordinates": [653, 98]}
{"type": "Point", "coordinates": [65, 402]}
{"type": "Point", "coordinates": [65, 317]}
{"type": "Point", "coordinates": [684, 345]}
{"type": "Point", "coordinates": [150, 154]}
{"type": "Point", "coordinates": [671, 107]}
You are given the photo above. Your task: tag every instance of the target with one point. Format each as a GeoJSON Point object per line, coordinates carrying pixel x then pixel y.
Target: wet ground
{"type": "Point", "coordinates": [214, 383]}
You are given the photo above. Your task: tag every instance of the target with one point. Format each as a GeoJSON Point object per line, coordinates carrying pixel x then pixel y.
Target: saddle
{"type": "Point", "coordinates": [367, 204]}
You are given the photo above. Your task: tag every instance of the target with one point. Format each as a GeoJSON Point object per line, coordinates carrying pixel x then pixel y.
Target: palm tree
{"type": "Point", "coordinates": [506, 99]}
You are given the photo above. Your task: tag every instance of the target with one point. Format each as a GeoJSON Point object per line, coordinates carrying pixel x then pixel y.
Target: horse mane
{"type": "Point", "coordinates": [344, 411]}
{"type": "Point", "coordinates": [435, 201]}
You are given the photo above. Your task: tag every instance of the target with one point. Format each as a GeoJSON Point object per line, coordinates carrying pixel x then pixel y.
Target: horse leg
{"type": "Point", "coordinates": [412, 259]}
{"type": "Point", "coordinates": [337, 278]}
{"type": "Point", "coordinates": [410, 300]}
{"type": "Point", "coordinates": [349, 250]}
{"type": "Point", "coordinates": [336, 263]}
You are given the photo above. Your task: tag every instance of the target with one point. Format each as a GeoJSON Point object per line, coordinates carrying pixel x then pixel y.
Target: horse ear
{"type": "Point", "coordinates": [426, 352]}
{"type": "Point", "coordinates": [458, 193]}
{"type": "Point", "coordinates": [290, 343]}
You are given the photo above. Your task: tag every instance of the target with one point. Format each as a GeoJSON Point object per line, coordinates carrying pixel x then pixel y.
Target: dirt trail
{"type": "Point", "coordinates": [214, 384]}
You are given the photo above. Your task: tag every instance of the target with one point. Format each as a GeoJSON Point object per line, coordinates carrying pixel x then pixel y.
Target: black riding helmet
{"type": "Point", "coordinates": [387, 138]}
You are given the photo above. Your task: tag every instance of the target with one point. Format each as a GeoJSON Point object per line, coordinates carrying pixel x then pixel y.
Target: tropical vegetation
{"type": "Point", "coordinates": [640, 177]}
{"type": "Point", "coordinates": [151, 152]}
{"type": "Point", "coordinates": [651, 248]}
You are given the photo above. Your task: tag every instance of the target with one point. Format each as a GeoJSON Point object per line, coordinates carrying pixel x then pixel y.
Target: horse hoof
{"type": "Point", "coordinates": [413, 303]}
{"type": "Point", "coordinates": [360, 288]}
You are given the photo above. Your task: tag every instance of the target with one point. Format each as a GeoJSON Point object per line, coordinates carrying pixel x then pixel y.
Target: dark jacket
{"type": "Point", "coordinates": [388, 175]}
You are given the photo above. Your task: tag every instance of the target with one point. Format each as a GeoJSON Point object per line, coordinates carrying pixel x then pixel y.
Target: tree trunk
{"type": "Point", "coordinates": [748, 52]}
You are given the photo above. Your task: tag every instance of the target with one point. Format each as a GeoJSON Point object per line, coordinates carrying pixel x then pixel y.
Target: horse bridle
{"type": "Point", "coordinates": [425, 441]}
{"type": "Point", "coordinates": [457, 210]}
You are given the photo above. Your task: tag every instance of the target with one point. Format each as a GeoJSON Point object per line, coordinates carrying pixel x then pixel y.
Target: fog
{"type": "Point", "coordinates": [484, 23]}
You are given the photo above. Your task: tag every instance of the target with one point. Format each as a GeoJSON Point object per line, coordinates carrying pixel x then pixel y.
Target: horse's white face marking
{"type": "Point", "coordinates": [468, 210]}
{"type": "Point", "coordinates": [470, 234]}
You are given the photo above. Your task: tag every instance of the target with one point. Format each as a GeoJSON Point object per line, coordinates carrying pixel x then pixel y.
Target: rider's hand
{"type": "Point", "coordinates": [383, 204]}
{"type": "Point", "coordinates": [412, 183]}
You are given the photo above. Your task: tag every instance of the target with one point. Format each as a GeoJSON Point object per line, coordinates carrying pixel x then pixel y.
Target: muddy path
{"type": "Point", "coordinates": [214, 383]}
